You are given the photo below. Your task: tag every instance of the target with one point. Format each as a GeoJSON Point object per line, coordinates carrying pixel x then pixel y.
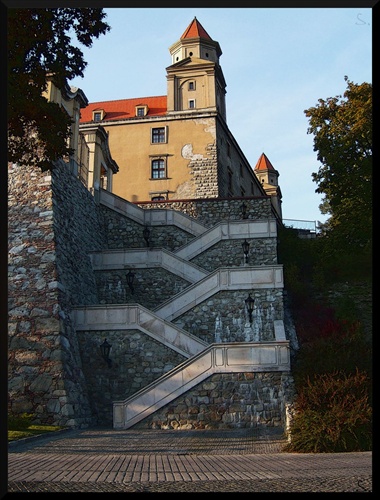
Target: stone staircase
{"type": "Point", "coordinates": [216, 358]}
{"type": "Point", "coordinates": [203, 359]}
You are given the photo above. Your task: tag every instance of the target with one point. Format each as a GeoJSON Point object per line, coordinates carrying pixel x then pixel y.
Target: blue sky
{"type": "Point", "coordinates": [277, 62]}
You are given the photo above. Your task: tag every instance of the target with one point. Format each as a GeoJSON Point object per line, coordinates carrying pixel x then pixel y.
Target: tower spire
{"type": "Point", "coordinates": [195, 30]}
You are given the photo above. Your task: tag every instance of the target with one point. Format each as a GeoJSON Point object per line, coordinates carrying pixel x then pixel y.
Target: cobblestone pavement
{"type": "Point", "coordinates": [239, 460]}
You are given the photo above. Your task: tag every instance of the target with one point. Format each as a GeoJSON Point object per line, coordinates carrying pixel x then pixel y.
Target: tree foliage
{"type": "Point", "coordinates": [40, 43]}
{"type": "Point", "coordinates": [342, 129]}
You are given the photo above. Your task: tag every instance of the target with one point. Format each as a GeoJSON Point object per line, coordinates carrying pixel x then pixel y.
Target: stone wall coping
{"type": "Point", "coordinates": [136, 316]}
{"type": "Point", "coordinates": [143, 258]}
{"type": "Point", "coordinates": [240, 278]}
{"type": "Point", "coordinates": [152, 217]}
{"type": "Point", "coordinates": [228, 230]}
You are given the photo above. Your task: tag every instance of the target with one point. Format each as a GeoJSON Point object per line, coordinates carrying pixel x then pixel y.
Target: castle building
{"type": "Point", "coordinates": [91, 160]}
{"type": "Point", "coordinates": [179, 146]}
{"type": "Point", "coordinates": [153, 297]}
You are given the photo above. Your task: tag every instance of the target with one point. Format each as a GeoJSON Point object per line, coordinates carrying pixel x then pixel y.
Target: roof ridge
{"type": "Point", "coordinates": [129, 99]}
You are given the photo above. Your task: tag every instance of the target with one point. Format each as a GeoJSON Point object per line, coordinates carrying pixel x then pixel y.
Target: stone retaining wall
{"type": "Point", "coordinates": [151, 286]}
{"type": "Point", "coordinates": [53, 225]}
{"type": "Point", "coordinates": [126, 233]}
{"type": "Point", "coordinates": [210, 211]}
{"type": "Point", "coordinates": [137, 360]}
{"type": "Point", "coordinates": [228, 307]}
{"type": "Point", "coordinates": [222, 401]}
{"type": "Point", "coordinates": [58, 374]}
{"type": "Point", "coordinates": [228, 400]}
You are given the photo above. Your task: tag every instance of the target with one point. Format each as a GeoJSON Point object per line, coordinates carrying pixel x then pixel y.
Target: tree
{"type": "Point", "coordinates": [39, 44]}
{"type": "Point", "coordinates": [342, 131]}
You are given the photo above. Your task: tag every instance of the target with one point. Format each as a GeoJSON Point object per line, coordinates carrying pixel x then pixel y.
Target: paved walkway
{"type": "Point", "coordinates": [239, 460]}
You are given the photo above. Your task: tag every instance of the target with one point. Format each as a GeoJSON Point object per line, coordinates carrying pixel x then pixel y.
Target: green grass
{"type": "Point", "coordinates": [21, 427]}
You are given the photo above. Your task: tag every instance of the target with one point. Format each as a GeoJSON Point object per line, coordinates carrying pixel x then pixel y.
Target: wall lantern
{"type": "Point", "coordinates": [245, 246]}
{"type": "Point", "coordinates": [105, 349]}
{"type": "Point", "coordinates": [243, 208]}
{"type": "Point", "coordinates": [169, 241]}
{"type": "Point", "coordinates": [130, 280]}
{"type": "Point", "coordinates": [249, 303]}
{"type": "Point", "coordinates": [146, 234]}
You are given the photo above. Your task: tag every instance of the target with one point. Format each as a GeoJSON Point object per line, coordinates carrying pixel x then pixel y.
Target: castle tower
{"type": "Point", "coordinates": [177, 146]}
{"type": "Point", "coordinates": [268, 177]}
{"type": "Point", "coordinates": [195, 79]}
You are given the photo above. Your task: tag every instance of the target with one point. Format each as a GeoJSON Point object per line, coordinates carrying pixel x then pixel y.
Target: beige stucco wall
{"type": "Point", "coordinates": [204, 93]}
{"type": "Point", "coordinates": [203, 159]}
{"type": "Point", "coordinates": [130, 143]}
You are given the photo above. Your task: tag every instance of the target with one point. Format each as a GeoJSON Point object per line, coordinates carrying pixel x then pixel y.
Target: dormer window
{"type": "Point", "coordinates": [142, 110]}
{"type": "Point", "coordinates": [98, 115]}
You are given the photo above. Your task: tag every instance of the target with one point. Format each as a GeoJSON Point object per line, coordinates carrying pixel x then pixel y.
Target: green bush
{"type": "Point", "coordinates": [332, 414]}
{"type": "Point", "coordinates": [21, 421]}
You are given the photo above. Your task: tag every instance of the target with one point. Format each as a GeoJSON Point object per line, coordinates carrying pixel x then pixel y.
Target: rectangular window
{"type": "Point", "coordinates": [191, 85]}
{"type": "Point", "coordinates": [158, 169]}
{"type": "Point", "coordinates": [97, 117]}
{"type": "Point", "coordinates": [159, 135]}
{"type": "Point", "coordinates": [191, 104]}
{"type": "Point", "coordinates": [140, 112]}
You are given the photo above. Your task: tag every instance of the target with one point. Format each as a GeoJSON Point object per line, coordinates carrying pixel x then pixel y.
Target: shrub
{"type": "Point", "coordinates": [21, 421]}
{"type": "Point", "coordinates": [332, 414]}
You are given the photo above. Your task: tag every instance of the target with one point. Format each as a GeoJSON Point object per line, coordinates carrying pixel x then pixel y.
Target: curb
{"type": "Point", "coordinates": [36, 437]}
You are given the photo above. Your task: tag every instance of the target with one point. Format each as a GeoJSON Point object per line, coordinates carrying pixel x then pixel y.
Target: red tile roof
{"type": "Point", "coordinates": [263, 163]}
{"type": "Point", "coordinates": [195, 30]}
{"type": "Point", "coordinates": [125, 108]}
